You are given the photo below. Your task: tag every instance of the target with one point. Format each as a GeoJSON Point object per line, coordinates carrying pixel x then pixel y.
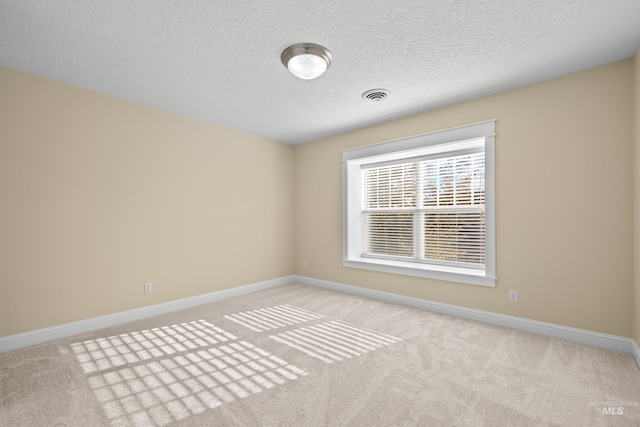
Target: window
{"type": "Point", "coordinates": [423, 206]}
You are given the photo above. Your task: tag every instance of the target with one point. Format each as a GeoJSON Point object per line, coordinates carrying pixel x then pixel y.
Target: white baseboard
{"type": "Point", "coordinates": [636, 352]}
{"type": "Point", "coordinates": [596, 339]}
{"type": "Point", "coordinates": [39, 336]}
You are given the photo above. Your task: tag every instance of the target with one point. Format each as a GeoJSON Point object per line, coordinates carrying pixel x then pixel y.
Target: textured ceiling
{"type": "Point", "coordinates": [219, 60]}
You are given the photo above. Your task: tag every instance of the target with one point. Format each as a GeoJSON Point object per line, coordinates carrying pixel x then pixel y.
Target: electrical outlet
{"type": "Point", "coordinates": [148, 287]}
{"type": "Point", "coordinates": [304, 264]}
{"type": "Point", "coordinates": [513, 296]}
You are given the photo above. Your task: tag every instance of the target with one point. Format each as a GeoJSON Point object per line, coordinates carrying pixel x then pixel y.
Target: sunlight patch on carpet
{"type": "Point", "coordinates": [111, 352]}
{"type": "Point", "coordinates": [164, 389]}
{"type": "Point", "coordinates": [334, 341]}
{"type": "Point", "coordinates": [278, 316]}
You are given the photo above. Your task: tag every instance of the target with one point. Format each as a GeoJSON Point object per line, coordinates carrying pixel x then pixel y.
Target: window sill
{"type": "Point", "coordinates": [450, 274]}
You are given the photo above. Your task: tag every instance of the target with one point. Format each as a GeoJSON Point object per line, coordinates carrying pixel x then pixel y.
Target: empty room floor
{"type": "Point", "coordinates": [297, 355]}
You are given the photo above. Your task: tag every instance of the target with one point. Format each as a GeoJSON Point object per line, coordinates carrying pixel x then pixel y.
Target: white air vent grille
{"type": "Point", "coordinates": [375, 95]}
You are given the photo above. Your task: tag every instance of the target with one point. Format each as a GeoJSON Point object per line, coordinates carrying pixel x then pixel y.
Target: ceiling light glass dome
{"type": "Point", "coordinates": [306, 60]}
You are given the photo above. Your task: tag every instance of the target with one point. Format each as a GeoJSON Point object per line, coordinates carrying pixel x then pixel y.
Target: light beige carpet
{"type": "Point", "coordinates": [302, 356]}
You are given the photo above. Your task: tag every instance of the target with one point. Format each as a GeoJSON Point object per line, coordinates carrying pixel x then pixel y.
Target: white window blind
{"type": "Point", "coordinates": [390, 197]}
{"type": "Point", "coordinates": [429, 210]}
{"type": "Point", "coordinates": [423, 206]}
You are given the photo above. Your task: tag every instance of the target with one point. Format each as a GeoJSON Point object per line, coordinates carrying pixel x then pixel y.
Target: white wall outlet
{"type": "Point", "coordinates": [513, 296]}
{"type": "Point", "coordinates": [148, 287]}
{"type": "Point", "coordinates": [304, 264]}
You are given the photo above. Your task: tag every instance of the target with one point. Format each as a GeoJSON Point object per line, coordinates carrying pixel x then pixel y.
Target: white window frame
{"type": "Point", "coordinates": [449, 140]}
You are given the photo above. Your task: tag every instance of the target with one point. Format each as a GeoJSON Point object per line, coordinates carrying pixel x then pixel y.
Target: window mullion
{"type": "Point", "coordinates": [418, 217]}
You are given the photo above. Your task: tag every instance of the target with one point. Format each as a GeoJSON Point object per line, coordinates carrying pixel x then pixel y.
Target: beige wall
{"type": "Point", "coordinates": [563, 211]}
{"type": "Point", "coordinates": [99, 195]}
{"type": "Point", "coordinates": [636, 198]}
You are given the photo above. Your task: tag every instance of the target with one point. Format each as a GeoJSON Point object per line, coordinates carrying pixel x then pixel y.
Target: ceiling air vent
{"type": "Point", "coordinates": [375, 95]}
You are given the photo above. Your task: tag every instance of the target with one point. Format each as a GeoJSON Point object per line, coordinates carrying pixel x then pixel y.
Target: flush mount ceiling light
{"type": "Point", "coordinates": [306, 60]}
